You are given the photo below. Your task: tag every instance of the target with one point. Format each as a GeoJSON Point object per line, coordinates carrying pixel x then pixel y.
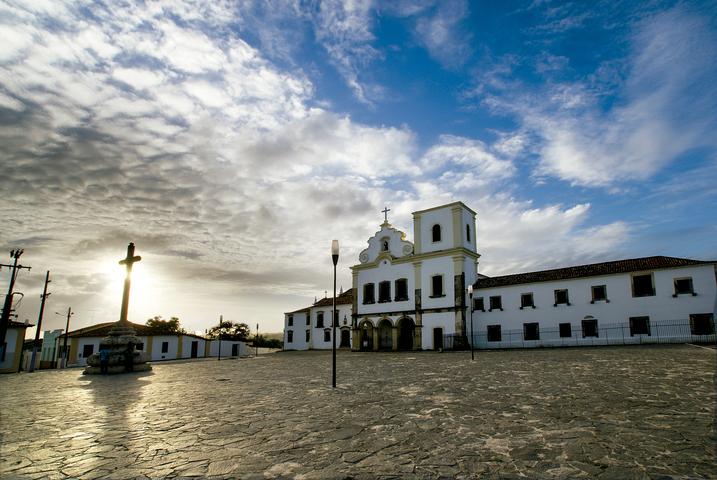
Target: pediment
{"type": "Point", "coordinates": [389, 242]}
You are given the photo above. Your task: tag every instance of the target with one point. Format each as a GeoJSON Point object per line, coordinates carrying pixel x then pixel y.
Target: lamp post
{"type": "Point", "coordinates": [470, 299]}
{"type": "Point", "coordinates": [65, 353]}
{"type": "Point", "coordinates": [335, 259]}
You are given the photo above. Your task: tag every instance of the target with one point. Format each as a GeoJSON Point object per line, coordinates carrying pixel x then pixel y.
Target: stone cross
{"type": "Point", "coordinates": [128, 261]}
{"type": "Point", "coordinates": [385, 213]}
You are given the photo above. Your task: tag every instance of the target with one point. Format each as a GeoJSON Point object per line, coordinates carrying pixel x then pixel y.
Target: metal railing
{"type": "Point", "coordinates": [666, 331]}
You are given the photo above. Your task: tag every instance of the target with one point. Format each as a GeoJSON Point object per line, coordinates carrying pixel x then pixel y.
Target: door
{"type": "Point", "coordinates": [345, 338]}
{"type": "Point", "coordinates": [437, 339]}
{"type": "Point", "coordinates": [366, 337]}
{"type": "Point", "coordinates": [385, 339]}
{"type": "Point", "coordinates": [87, 350]}
{"type": "Point", "coordinates": [195, 347]}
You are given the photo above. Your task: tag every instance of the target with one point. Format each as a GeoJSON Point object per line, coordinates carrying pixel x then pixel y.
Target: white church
{"type": "Point", "coordinates": [427, 295]}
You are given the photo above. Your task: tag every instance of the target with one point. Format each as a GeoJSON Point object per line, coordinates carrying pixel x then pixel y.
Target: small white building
{"type": "Point", "coordinates": [86, 341]}
{"type": "Point", "coordinates": [14, 341]}
{"type": "Point", "coordinates": [640, 300]}
{"type": "Point", "coordinates": [310, 328]}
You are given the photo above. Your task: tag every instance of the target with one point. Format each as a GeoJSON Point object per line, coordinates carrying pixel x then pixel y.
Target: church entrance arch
{"type": "Point", "coordinates": [366, 336]}
{"type": "Point", "coordinates": [385, 330]}
{"type": "Point", "coordinates": [345, 338]}
{"type": "Point", "coordinates": [406, 331]}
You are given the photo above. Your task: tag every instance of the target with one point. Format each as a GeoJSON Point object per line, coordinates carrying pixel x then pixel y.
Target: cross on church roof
{"type": "Point", "coordinates": [385, 213]}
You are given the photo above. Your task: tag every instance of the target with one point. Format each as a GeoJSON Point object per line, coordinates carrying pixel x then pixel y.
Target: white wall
{"type": "Point", "coordinates": [622, 305]}
{"type": "Point", "coordinates": [444, 320]}
{"type": "Point", "coordinates": [81, 342]}
{"type": "Point", "coordinates": [442, 217]}
{"type": "Point", "coordinates": [172, 347]}
{"type": "Point", "coordinates": [187, 346]}
{"type": "Point", "coordinates": [299, 332]}
{"type": "Point", "coordinates": [437, 266]}
{"type": "Point", "coordinates": [227, 347]}
{"type": "Point", "coordinates": [11, 341]}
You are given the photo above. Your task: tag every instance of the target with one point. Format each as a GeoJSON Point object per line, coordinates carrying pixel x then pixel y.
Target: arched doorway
{"type": "Point", "coordinates": [385, 338]}
{"type": "Point", "coordinates": [406, 331]}
{"type": "Point", "coordinates": [366, 336]}
{"type": "Point", "coordinates": [345, 338]}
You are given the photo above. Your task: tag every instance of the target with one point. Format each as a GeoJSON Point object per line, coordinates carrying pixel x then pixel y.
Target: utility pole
{"type": "Point", "coordinates": [256, 342]}
{"type": "Point", "coordinates": [7, 306]}
{"type": "Point", "coordinates": [65, 353]}
{"type": "Point", "coordinates": [39, 322]}
{"type": "Point", "coordinates": [219, 356]}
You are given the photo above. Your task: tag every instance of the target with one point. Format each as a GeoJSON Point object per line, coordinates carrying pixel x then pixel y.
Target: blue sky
{"type": "Point", "coordinates": [231, 141]}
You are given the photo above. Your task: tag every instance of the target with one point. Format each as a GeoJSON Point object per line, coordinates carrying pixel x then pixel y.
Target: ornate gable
{"type": "Point", "coordinates": [387, 242]}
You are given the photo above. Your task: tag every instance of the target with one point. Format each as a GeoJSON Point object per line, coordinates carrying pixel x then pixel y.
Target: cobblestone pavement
{"type": "Point", "coordinates": [620, 412]}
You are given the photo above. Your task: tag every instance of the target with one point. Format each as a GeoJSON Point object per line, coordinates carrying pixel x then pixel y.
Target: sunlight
{"type": "Point", "coordinates": [142, 291]}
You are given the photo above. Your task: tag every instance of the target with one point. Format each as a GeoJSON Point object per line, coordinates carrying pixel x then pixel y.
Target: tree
{"type": "Point", "coordinates": [264, 342]}
{"type": "Point", "coordinates": [230, 331]}
{"type": "Point", "coordinates": [158, 326]}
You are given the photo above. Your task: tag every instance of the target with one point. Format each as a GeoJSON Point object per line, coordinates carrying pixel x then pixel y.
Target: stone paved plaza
{"type": "Point", "coordinates": [618, 412]}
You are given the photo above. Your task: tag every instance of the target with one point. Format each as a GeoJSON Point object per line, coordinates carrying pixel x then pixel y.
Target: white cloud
{"type": "Point", "coordinates": [665, 107]}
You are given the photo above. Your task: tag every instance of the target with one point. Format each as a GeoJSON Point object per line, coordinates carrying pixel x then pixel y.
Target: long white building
{"type": "Point", "coordinates": [413, 296]}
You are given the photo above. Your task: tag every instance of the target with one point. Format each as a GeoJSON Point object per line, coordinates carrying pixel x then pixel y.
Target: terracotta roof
{"type": "Point", "coordinates": [342, 299]}
{"type": "Point", "coordinates": [591, 270]}
{"type": "Point", "coordinates": [102, 329]}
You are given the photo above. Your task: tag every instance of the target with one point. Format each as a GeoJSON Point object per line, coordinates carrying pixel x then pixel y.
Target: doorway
{"type": "Point", "coordinates": [437, 339]}
{"type": "Point", "coordinates": [195, 348]}
{"type": "Point", "coordinates": [366, 337]}
{"type": "Point", "coordinates": [385, 338]}
{"type": "Point", "coordinates": [345, 338]}
{"type": "Point", "coordinates": [406, 331]}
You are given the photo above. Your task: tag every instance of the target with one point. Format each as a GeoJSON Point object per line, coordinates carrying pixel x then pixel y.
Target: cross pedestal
{"type": "Point", "coordinates": [121, 339]}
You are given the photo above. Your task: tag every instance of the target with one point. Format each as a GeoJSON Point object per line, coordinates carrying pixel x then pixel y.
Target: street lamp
{"type": "Point", "coordinates": [335, 259]}
{"type": "Point", "coordinates": [65, 353]}
{"type": "Point", "coordinates": [470, 299]}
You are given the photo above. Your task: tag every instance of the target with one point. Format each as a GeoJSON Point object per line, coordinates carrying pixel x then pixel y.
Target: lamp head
{"type": "Point", "coordinates": [335, 251]}
{"type": "Point", "coordinates": [470, 289]}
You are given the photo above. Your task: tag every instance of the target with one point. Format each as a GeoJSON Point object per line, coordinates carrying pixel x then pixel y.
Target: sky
{"type": "Point", "coordinates": [231, 141]}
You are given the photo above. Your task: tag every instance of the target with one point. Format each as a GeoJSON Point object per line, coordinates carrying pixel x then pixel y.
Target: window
{"type": "Point", "coordinates": [368, 293]}
{"type": "Point", "coordinates": [494, 333]}
{"type": "Point", "coordinates": [561, 297]}
{"type": "Point", "coordinates": [384, 292]}
{"type": "Point", "coordinates": [683, 286]}
{"type": "Point", "coordinates": [436, 233]}
{"type": "Point", "coordinates": [479, 304]}
{"type": "Point", "coordinates": [590, 328]}
{"type": "Point", "coordinates": [526, 300]}
{"type": "Point", "coordinates": [87, 350]}
{"type": "Point", "coordinates": [289, 336]}
{"type": "Point", "coordinates": [290, 322]}
{"type": "Point", "coordinates": [566, 330]}
{"type": "Point", "coordinates": [401, 289]}
{"type": "Point", "coordinates": [468, 233]}
{"type": "Point", "coordinates": [308, 335]}
{"type": "Point", "coordinates": [308, 319]}
{"type": "Point", "coordinates": [702, 324]}
{"type": "Point", "coordinates": [531, 331]}
{"type": "Point", "coordinates": [437, 286]}
{"type": "Point", "coordinates": [319, 319]}
{"type": "Point", "coordinates": [599, 293]}
{"type": "Point", "coordinates": [384, 245]}
{"type": "Point", "coordinates": [642, 285]}
{"type": "Point", "coordinates": [639, 326]}
{"type": "Point", "coordinates": [496, 303]}
{"type": "Point", "coordinates": [165, 347]}
{"type": "Point", "coordinates": [327, 335]}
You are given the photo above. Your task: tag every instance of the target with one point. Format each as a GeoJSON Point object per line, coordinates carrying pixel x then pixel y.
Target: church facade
{"type": "Point", "coordinates": [414, 296]}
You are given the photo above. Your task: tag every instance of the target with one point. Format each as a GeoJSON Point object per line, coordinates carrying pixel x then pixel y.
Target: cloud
{"type": "Point", "coordinates": [665, 107]}
{"type": "Point", "coordinates": [442, 35]}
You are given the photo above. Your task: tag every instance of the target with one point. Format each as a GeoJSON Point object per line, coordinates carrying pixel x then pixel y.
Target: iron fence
{"type": "Point", "coordinates": [666, 331]}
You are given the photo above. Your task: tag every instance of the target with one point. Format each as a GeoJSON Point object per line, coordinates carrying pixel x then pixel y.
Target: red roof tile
{"type": "Point", "coordinates": [591, 270]}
